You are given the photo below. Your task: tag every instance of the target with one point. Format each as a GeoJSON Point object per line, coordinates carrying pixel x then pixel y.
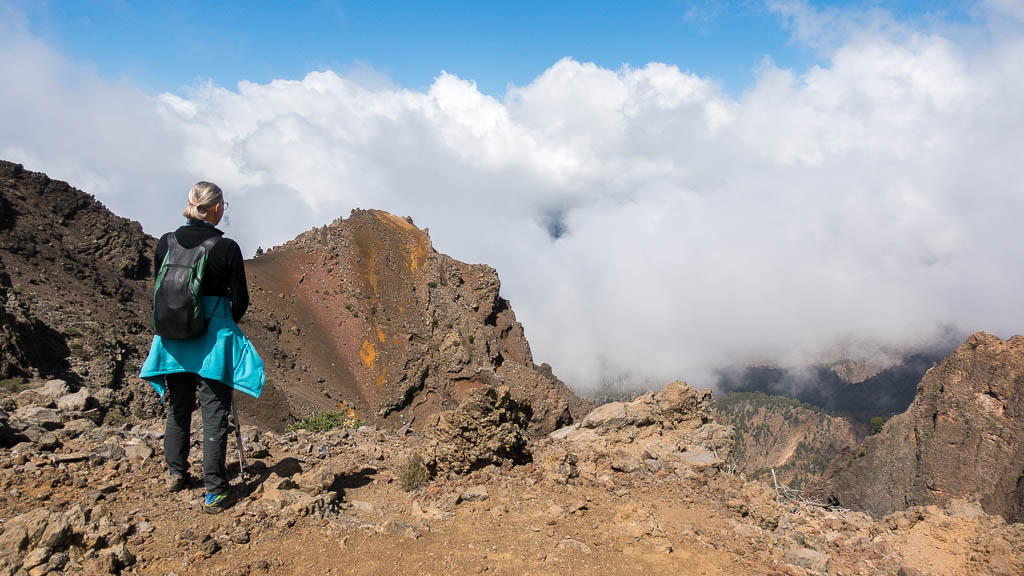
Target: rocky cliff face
{"type": "Point", "coordinates": [962, 437]}
{"type": "Point", "coordinates": [72, 283]}
{"type": "Point", "coordinates": [364, 311]}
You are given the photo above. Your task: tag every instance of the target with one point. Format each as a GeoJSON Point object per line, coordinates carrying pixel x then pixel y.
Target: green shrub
{"type": "Point", "coordinates": [14, 385]}
{"type": "Point", "coordinates": [876, 424]}
{"type": "Point", "coordinates": [413, 474]}
{"type": "Point", "coordinates": [327, 420]}
{"type": "Point", "coordinates": [432, 284]}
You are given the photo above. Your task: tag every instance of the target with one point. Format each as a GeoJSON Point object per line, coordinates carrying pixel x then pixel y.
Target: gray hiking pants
{"type": "Point", "coordinates": [215, 401]}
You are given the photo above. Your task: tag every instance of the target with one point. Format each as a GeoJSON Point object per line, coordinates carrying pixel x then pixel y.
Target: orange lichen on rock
{"type": "Point", "coordinates": [418, 244]}
{"type": "Point", "coordinates": [417, 251]}
{"type": "Point", "coordinates": [380, 335]}
{"type": "Point", "coordinates": [389, 218]}
{"type": "Point", "coordinates": [382, 379]}
{"type": "Point", "coordinates": [367, 353]}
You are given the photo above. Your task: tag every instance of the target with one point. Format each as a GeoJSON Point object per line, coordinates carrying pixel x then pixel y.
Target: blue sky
{"type": "Point", "coordinates": [783, 181]}
{"type": "Point", "coordinates": [164, 46]}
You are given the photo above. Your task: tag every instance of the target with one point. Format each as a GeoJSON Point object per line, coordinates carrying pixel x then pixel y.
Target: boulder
{"type": "Point", "coordinates": [32, 397]}
{"type": "Point", "coordinates": [77, 402]}
{"type": "Point", "coordinates": [678, 401]}
{"type": "Point", "coordinates": [14, 538]}
{"type": "Point", "coordinates": [122, 556]}
{"type": "Point", "coordinates": [317, 480]}
{"type": "Point", "coordinates": [46, 418]}
{"type": "Point", "coordinates": [623, 461]}
{"type": "Point", "coordinates": [138, 452]}
{"type": "Point", "coordinates": [76, 427]}
{"type": "Point", "coordinates": [474, 494]}
{"type": "Point", "coordinates": [607, 416]}
{"type": "Point", "coordinates": [54, 389]}
{"type": "Point", "coordinates": [488, 427]}
{"type": "Point", "coordinates": [809, 559]}
{"type": "Point", "coordinates": [25, 530]}
{"type": "Point", "coordinates": [47, 441]}
{"type": "Point", "coordinates": [57, 533]}
{"type": "Point", "coordinates": [699, 459]}
{"type": "Point", "coordinates": [104, 397]}
{"type": "Point", "coordinates": [33, 433]}
{"type": "Point", "coordinates": [37, 557]}
{"type": "Point", "coordinates": [109, 451]}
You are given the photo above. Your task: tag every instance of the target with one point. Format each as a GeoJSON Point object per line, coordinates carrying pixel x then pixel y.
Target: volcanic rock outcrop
{"type": "Point", "coordinates": [488, 427]}
{"type": "Point", "coordinates": [365, 312]}
{"type": "Point", "coordinates": [73, 286]}
{"type": "Point", "coordinates": [962, 437]}
{"type": "Point", "coordinates": [671, 429]}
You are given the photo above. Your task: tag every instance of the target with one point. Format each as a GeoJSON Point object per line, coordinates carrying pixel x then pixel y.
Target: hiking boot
{"type": "Point", "coordinates": [215, 503]}
{"type": "Point", "coordinates": [176, 482]}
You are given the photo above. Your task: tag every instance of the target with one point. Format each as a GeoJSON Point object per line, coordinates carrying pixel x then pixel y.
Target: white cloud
{"type": "Point", "coordinates": [1011, 8]}
{"type": "Point", "coordinates": [876, 197]}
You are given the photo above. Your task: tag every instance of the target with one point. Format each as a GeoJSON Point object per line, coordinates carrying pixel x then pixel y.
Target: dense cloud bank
{"type": "Point", "coordinates": [646, 226]}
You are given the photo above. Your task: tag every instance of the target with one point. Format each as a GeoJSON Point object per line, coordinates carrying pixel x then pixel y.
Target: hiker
{"type": "Point", "coordinates": [188, 358]}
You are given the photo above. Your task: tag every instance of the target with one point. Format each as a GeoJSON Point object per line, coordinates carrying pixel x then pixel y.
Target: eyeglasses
{"type": "Point", "coordinates": [226, 204]}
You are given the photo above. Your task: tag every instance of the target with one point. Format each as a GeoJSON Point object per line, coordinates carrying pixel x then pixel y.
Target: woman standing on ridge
{"type": "Point", "coordinates": [185, 358]}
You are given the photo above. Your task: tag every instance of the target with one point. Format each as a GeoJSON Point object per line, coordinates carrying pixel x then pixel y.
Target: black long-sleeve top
{"type": "Point", "coordinates": [225, 268]}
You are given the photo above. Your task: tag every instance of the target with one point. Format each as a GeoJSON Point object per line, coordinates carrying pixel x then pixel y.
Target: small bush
{"type": "Point", "coordinates": [432, 284]}
{"type": "Point", "coordinates": [14, 385]}
{"type": "Point", "coordinates": [414, 474]}
{"type": "Point", "coordinates": [327, 420]}
{"type": "Point", "coordinates": [877, 423]}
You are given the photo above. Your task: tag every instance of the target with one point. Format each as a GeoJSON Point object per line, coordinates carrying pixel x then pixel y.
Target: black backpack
{"type": "Point", "coordinates": [177, 302]}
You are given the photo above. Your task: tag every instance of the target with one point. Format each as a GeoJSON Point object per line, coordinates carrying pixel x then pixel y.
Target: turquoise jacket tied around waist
{"type": "Point", "coordinates": [222, 353]}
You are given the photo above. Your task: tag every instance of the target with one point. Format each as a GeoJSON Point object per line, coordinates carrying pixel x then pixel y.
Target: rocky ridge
{"type": "Point", "coordinates": [364, 311]}
{"type": "Point", "coordinates": [962, 437]}
{"type": "Point", "coordinates": [73, 288]}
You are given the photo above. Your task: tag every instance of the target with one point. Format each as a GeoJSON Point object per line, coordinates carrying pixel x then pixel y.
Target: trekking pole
{"type": "Point", "coordinates": [238, 437]}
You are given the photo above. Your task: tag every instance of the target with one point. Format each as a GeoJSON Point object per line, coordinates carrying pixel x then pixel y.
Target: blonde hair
{"type": "Point", "coordinates": [202, 197]}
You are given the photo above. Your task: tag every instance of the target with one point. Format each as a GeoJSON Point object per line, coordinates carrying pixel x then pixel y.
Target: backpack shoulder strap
{"type": "Point", "coordinates": [209, 243]}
